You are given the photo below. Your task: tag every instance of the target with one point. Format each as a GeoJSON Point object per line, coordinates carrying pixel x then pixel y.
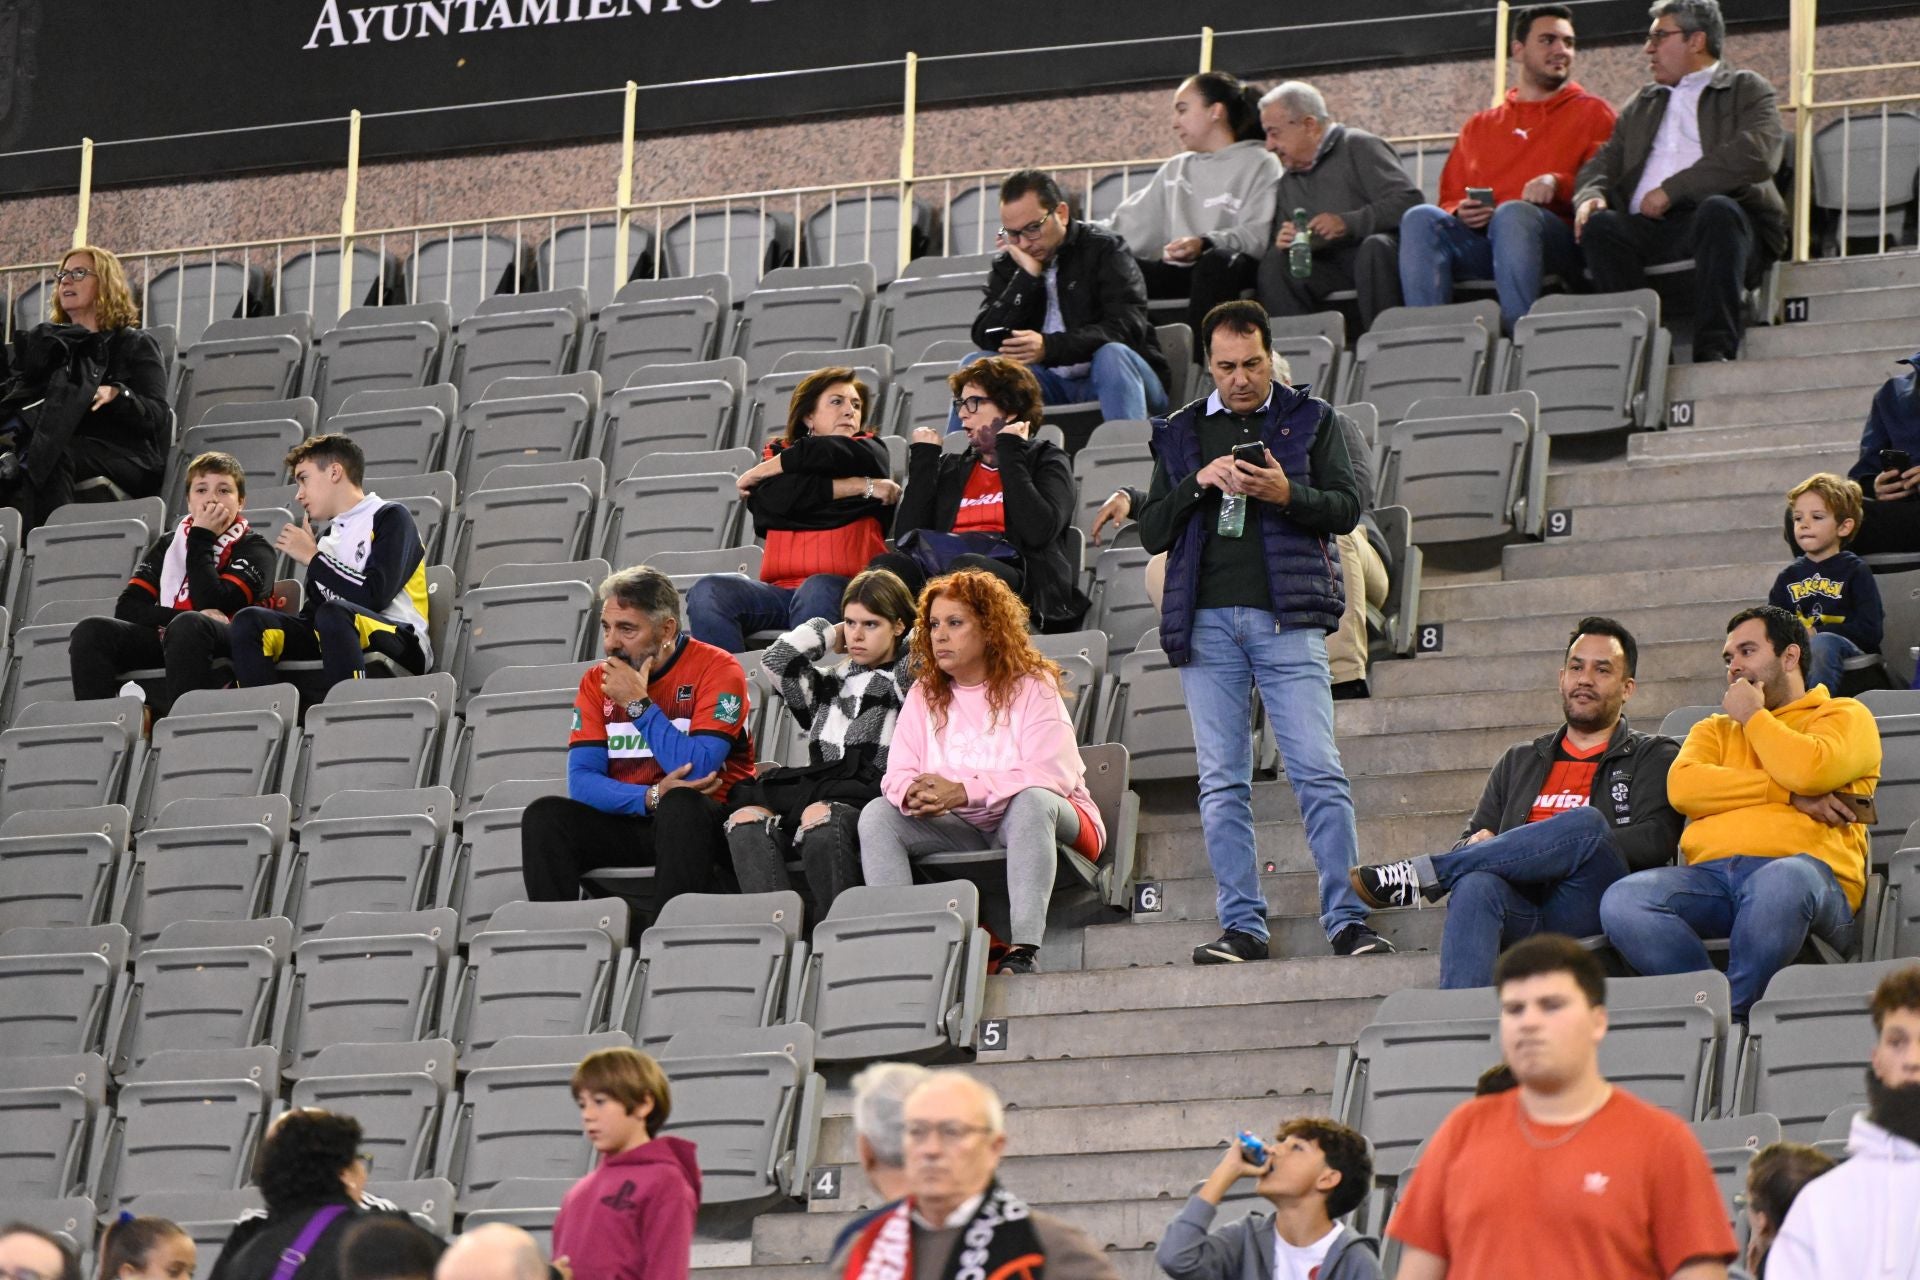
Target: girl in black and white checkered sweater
{"type": "Point", "coordinates": [849, 709]}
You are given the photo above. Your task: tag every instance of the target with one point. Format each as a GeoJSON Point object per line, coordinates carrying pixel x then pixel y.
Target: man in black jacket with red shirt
{"type": "Point", "coordinates": [176, 606]}
{"type": "Point", "coordinates": [1561, 819]}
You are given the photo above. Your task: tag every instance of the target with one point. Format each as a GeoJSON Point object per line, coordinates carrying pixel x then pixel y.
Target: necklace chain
{"type": "Point", "coordinates": [1526, 1132]}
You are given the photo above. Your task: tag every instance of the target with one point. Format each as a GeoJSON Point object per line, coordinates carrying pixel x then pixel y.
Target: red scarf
{"type": "Point", "coordinates": [175, 592]}
{"type": "Point", "coordinates": [998, 1243]}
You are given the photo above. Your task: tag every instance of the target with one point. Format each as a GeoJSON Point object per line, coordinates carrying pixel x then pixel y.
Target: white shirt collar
{"type": "Point", "coordinates": [1216, 405]}
{"type": "Point", "coordinates": [1695, 81]}
{"type": "Point", "coordinates": [955, 1220]}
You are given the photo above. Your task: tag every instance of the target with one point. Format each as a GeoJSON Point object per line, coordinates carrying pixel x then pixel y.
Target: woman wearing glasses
{"type": "Point", "coordinates": [1003, 504]}
{"type": "Point", "coordinates": [85, 415]}
{"type": "Point", "coordinates": [312, 1173]}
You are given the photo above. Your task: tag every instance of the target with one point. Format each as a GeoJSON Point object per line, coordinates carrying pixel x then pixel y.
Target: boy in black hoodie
{"type": "Point", "coordinates": [1831, 589]}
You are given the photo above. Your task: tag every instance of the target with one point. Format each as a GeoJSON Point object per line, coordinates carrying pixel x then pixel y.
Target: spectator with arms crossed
{"type": "Point", "coordinates": [1561, 819]}
{"type": "Point", "coordinates": [1831, 588]}
{"type": "Point", "coordinates": [659, 740]}
{"type": "Point", "coordinates": [366, 578]}
{"type": "Point", "coordinates": [1525, 153]}
{"type": "Point", "coordinates": [1776, 847]}
{"type": "Point", "coordinates": [1573, 1175]}
{"type": "Point", "coordinates": [174, 609]}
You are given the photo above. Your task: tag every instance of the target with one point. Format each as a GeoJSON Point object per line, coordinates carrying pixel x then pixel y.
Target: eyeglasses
{"type": "Point", "coordinates": [949, 1134]}
{"type": "Point", "coordinates": [365, 1158]}
{"type": "Point", "coordinates": [971, 404]}
{"type": "Point", "coordinates": [1658, 34]}
{"type": "Point", "coordinates": [1029, 232]}
{"type": "Point", "coordinates": [75, 274]}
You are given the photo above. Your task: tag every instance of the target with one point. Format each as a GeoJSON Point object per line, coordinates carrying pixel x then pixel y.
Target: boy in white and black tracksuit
{"type": "Point", "coordinates": [174, 609]}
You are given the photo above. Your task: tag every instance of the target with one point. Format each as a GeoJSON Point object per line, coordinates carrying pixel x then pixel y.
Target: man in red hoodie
{"type": "Point", "coordinates": [632, 1217]}
{"type": "Point", "coordinates": [1525, 152]}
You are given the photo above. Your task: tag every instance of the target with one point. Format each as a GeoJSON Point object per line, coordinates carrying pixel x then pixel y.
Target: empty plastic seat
{"type": "Point", "coordinates": [539, 514]}
{"type": "Point", "coordinates": [1418, 1058]}
{"type": "Point", "coordinates": [515, 729]}
{"type": "Point", "coordinates": [202, 860]}
{"type": "Point", "coordinates": [1589, 358]}
{"type": "Point", "coordinates": [481, 869]}
{"type": "Point", "coordinates": [715, 960]}
{"type": "Point", "coordinates": [739, 240]}
{"type": "Point", "coordinates": [1461, 477]}
{"type": "Point", "coordinates": [865, 227]}
{"type": "Point", "coordinates": [748, 1098]}
{"type": "Point", "coordinates": [530, 1204]}
{"type": "Point", "coordinates": [1412, 352]}
{"type": "Point", "coordinates": [669, 510]}
{"type": "Point", "coordinates": [686, 568]}
{"type": "Point", "coordinates": [216, 743]}
{"type": "Point", "coordinates": [582, 257]}
{"type": "Point", "coordinates": [202, 985]}
{"type": "Point", "coordinates": [1151, 719]}
{"type": "Point", "coordinates": [895, 970]}
{"type": "Point", "coordinates": [921, 397]}
{"type": "Point", "coordinates": [776, 321]}
{"type": "Point", "coordinates": [541, 968]}
{"type": "Point", "coordinates": [1424, 164]}
{"type": "Point", "coordinates": [428, 1201]}
{"type": "Point", "coordinates": [260, 446]}
{"type": "Point", "coordinates": [1665, 1037]}
{"type": "Point", "coordinates": [917, 311]}
{"type": "Point", "coordinates": [310, 281]}
{"type": "Point", "coordinates": [403, 432]}
{"type": "Point", "coordinates": [1864, 168]}
{"type": "Point", "coordinates": [429, 497]}
{"type": "Point", "coordinates": [515, 1117]}
{"type": "Point", "coordinates": [377, 349]}
{"type": "Point", "coordinates": [1897, 797]}
{"type": "Point", "coordinates": [192, 295]}
{"type": "Point", "coordinates": [365, 978]}
{"type": "Point", "coordinates": [675, 321]}
{"type": "Point", "coordinates": [1900, 916]}
{"type": "Point", "coordinates": [395, 1091]}
{"type": "Point", "coordinates": [187, 1120]}
{"type": "Point", "coordinates": [47, 1111]}
{"type": "Point", "coordinates": [1406, 566]}
{"type": "Point", "coordinates": [89, 561]}
{"type": "Point", "coordinates": [671, 408]}
{"type": "Point", "coordinates": [525, 615]}
{"type": "Point", "coordinates": [1082, 655]}
{"type": "Point", "coordinates": [1121, 606]}
{"type": "Point", "coordinates": [1100, 469]}
{"type": "Point", "coordinates": [527, 335]}
{"type": "Point", "coordinates": [57, 866]}
{"type": "Point", "coordinates": [1808, 1041]}
{"type": "Point", "coordinates": [370, 851]}
{"type": "Point", "coordinates": [59, 988]}
{"type": "Point", "coordinates": [241, 361]}
{"type": "Point", "coordinates": [69, 755]}
{"type": "Point", "coordinates": [525, 420]}
{"type": "Point", "coordinates": [969, 225]}
{"type": "Point", "coordinates": [463, 269]}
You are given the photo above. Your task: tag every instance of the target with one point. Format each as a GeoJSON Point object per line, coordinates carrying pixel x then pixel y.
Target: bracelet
{"type": "Point", "coordinates": [869, 486]}
{"type": "Point", "coordinates": [653, 797]}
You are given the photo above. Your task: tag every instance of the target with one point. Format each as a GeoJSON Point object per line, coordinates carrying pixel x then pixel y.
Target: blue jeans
{"type": "Point", "coordinates": [1764, 906]}
{"type": "Point", "coordinates": [723, 608]}
{"type": "Point", "coordinates": [1521, 246]}
{"type": "Point", "coordinates": [1120, 379]}
{"type": "Point", "coordinates": [1234, 649]}
{"type": "Point", "coordinates": [1544, 877]}
{"type": "Point", "coordinates": [1830, 652]}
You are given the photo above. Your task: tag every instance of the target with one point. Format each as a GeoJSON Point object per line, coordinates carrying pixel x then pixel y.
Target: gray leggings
{"type": "Point", "coordinates": [1036, 824]}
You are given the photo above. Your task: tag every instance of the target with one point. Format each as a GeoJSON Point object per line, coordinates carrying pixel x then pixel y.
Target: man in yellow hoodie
{"type": "Point", "coordinates": [1774, 847]}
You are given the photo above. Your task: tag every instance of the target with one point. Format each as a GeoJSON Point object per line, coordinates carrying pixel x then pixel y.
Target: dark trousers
{"type": "Point", "coordinates": [1370, 268]}
{"type": "Point", "coordinates": [829, 857]}
{"type": "Point", "coordinates": [1217, 276]}
{"type": "Point", "coordinates": [561, 840]}
{"type": "Point", "coordinates": [331, 636]}
{"type": "Point", "coordinates": [1887, 526]}
{"type": "Point", "coordinates": [102, 650]}
{"type": "Point", "coordinates": [908, 570]}
{"type": "Point", "coordinates": [1716, 234]}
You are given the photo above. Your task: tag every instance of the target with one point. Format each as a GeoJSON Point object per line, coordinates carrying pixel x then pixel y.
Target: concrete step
{"type": "Point", "coordinates": [1894, 302]}
{"type": "Point", "coordinates": [1391, 752]}
{"type": "Point", "coordinates": [1837, 275]}
{"type": "Point", "coordinates": [1707, 442]}
{"type": "Point", "coordinates": [1752, 407]}
{"type": "Point", "coordinates": [1524, 713]}
{"type": "Point", "coordinates": [1826, 337]}
{"type": "Point", "coordinates": [1159, 1077]}
{"type": "Point", "coordinates": [1563, 557]}
{"type": "Point", "coordinates": [1757, 472]}
{"type": "Point", "coordinates": [1537, 595]}
{"type": "Point", "coordinates": [1191, 897]}
{"type": "Point", "coordinates": [1415, 932]}
{"type": "Point", "coordinates": [1181, 853]}
{"type": "Point", "coordinates": [1202, 1030]}
{"type": "Point", "coordinates": [1499, 638]}
{"type": "Point", "coordinates": [1859, 368]}
{"type": "Point", "coordinates": [1174, 804]}
{"type": "Point", "coordinates": [1531, 669]}
{"type": "Point", "coordinates": [1313, 974]}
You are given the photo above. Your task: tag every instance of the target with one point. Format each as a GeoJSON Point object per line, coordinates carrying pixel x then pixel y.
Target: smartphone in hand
{"type": "Point", "coordinates": [997, 335]}
{"type": "Point", "coordinates": [1895, 460]}
{"type": "Point", "coordinates": [1253, 452]}
{"type": "Point", "coordinates": [1864, 810]}
{"type": "Point", "coordinates": [1480, 195]}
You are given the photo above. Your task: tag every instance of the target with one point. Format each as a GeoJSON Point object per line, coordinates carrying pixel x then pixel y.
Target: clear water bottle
{"type": "Point", "coordinates": [1300, 252]}
{"type": "Point", "coordinates": [1233, 515]}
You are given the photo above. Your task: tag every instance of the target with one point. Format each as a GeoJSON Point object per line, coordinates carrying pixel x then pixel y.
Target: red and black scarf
{"type": "Point", "coordinates": [173, 587]}
{"type": "Point", "coordinates": [998, 1243]}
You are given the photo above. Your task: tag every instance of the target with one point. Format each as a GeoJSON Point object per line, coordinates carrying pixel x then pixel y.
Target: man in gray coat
{"type": "Point", "coordinates": [1353, 190]}
{"type": "Point", "coordinates": [1688, 173]}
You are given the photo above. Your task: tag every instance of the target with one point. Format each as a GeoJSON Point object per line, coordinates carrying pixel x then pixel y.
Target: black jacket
{"type": "Point", "coordinates": [136, 424]}
{"type": "Point", "coordinates": [801, 496]}
{"type": "Point", "coordinates": [1649, 836]}
{"type": "Point", "coordinates": [1102, 299]}
{"type": "Point", "coordinates": [1037, 481]}
{"type": "Point", "coordinates": [244, 580]}
{"type": "Point", "coordinates": [252, 1251]}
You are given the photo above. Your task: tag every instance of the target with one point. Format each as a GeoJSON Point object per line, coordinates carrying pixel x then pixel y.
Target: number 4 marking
{"type": "Point", "coordinates": [824, 1183]}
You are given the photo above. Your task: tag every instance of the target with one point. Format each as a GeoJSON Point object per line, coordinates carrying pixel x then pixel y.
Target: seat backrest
{"type": "Point", "coordinates": [742, 241]}
{"type": "Point", "coordinates": [197, 1132]}
{"type": "Point", "coordinates": [1151, 718]}
{"type": "Point", "coordinates": [1586, 357]}
{"type": "Point", "coordinates": [1121, 606]}
{"type": "Point", "coordinates": [310, 281]}
{"type": "Point", "coordinates": [1897, 796]}
{"type": "Point", "coordinates": [1100, 469]}
{"type": "Point", "coordinates": [514, 1122]}
{"type": "Point", "coordinates": [522, 430]}
{"type": "Point", "coordinates": [1808, 1041]}
{"type": "Point", "coordinates": [772, 395]}
{"type": "Point", "coordinates": [371, 735]}
{"type": "Point", "coordinates": [88, 561]}
{"type": "Point", "coordinates": [670, 512]}
{"type": "Point", "coordinates": [238, 370]}
{"type": "Point", "coordinates": [814, 318]}
{"type": "Point", "coordinates": [203, 860]}
{"type": "Point", "coordinates": [916, 312]}
{"type": "Point", "coordinates": [1461, 478]}
{"type": "Point", "coordinates": [260, 447]}
{"type": "Point", "coordinates": [1901, 914]}
{"type": "Point", "coordinates": [1730, 1145]}
{"type": "Point", "coordinates": [629, 335]}
{"type": "Point", "coordinates": [1111, 190]}
{"type": "Point", "coordinates": [899, 948]}
{"type": "Point", "coordinates": [921, 397]}
{"type": "Point", "coordinates": [1397, 362]}
{"type": "Point", "coordinates": [668, 417]}
{"type": "Point", "coordinates": [740, 1108]}
{"type": "Point", "coordinates": [57, 867]}
{"type": "Point", "coordinates": [545, 968]}
{"type": "Point", "coordinates": [47, 1110]}
{"type": "Point", "coordinates": [59, 987]}
{"type": "Point", "coordinates": [402, 440]}
{"type": "Point", "coordinates": [538, 524]}
{"type": "Point", "coordinates": [1864, 161]}
{"type": "Point", "coordinates": [461, 269]}
{"type": "Point", "coordinates": [1680, 721]}
{"type": "Point", "coordinates": [489, 346]}
{"type": "Point", "coordinates": [218, 743]}
{"type": "Point", "coordinates": [373, 350]}
{"type": "Point", "coordinates": [714, 960]}
{"type": "Point", "coordinates": [863, 230]}
{"type": "Point", "coordinates": [365, 978]}
{"type": "Point", "coordinates": [481, 871]}
{"type": "Point", "coordinates": [583, 256]}
{"type": "Point", "coordinates": [1664, 1039]}
{"type": "Point", "coordinates": [506, 624]}
{"type": "Point", "coordinates": [68, 755]}
{"type": "Point", "coordinates": [192, 295]}
{"type": "Point", "coordinates": [302, 409]}
{"type": "Point", "coordinates": [509, 736]}
{"type": "Point", "coordinates": [395, 1091]}
{"type": "Point", "coordinates": [203, 985]}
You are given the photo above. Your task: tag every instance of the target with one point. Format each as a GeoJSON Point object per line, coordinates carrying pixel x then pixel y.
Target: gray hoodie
{"type": "Point", "coordinates": [1243, 1250]}
{"type": "Point", "coordinates": [1225, 195]}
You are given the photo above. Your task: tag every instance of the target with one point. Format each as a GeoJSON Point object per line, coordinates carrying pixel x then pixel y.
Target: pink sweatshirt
{"type": "Point", "coordinates": [1032, 745]}
{"type": "Point", "coordinates": [632, 1217]}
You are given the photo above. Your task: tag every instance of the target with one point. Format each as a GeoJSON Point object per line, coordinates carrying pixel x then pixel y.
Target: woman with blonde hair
{"type": "Point", "coordinates": [85, 413]}
{"type": "Point", "coordinates": [983, 756]}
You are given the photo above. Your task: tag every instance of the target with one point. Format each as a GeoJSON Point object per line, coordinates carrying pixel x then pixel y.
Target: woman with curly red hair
{"type": "Point", "coordinates": [983, 756]}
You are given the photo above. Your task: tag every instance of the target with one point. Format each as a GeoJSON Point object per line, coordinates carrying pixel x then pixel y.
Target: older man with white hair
{"type": "Point", "coordinates": [956, 1218]}
{"type": "Point", "coordinates": [1353, 190]}
{"type": "Point", "coordinates": [495, 1251]}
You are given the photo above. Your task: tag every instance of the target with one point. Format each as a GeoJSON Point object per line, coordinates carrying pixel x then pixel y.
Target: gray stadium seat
{"type": "Point", "coordinates": [480, 869]}
{"type": "Point", "coordinates": [69, 755]}
{"type": "Point", "coordinates": [858, 274]}
{"type": "Point", "coordinates": [1591, 360]}
{"type": "Point", "coordinates": [202, 985]}
{"type": "Point", "coordinates": [1424, 164]}
{"type": "Point", "coordinates": [515, 729]}
{"type": "Point", "coordinates": [209, 1217]}
{"type": "Point", "coordinates": [1665, 1040]}
{"type": "Point", "coordinates": [402, 432]}
{"type": "Point", "coordinates": [525, 420]}
{"type": "Point", "coordinates": [1120, 431]}
{"type": "Point", "coordinates": [716, 960]}
{"type": "Point", "coordinates": [47, 1110]}
{"type": "Point", "coordinates": [688, 567]}
{"type": "Point", "coordinates": [1837, 1128]}
{"type": "Point", "coordinates": [428, 1201]}
{"type": "Point", "coordinates": [864, 227]}
{"type": "Point", "coordinates": [1406, 563]}
{"type": "Point", "coordinates": [748, 1098]}
{"type": "Point", "coordinates": [664, 509]}
{"type": "Point", "coordinates": [310, 282]}
{"type": "Point", "coordinates": [1808, 1040]}
{"type": "Point", "coordinates": [921, 398]}
{"type": "Point", "coordinates": [541, 968]}
{"type": "Point", "coordinates": [1890, 702]}
{"type": "Point", "coordinates": [395, 1091]}
{"type": "Point", "coordinates": [530, 1204]}
{"type": "Point", "coordinates": [370, 851]}
{"type": "Point", "coordinates": [1083, 655]}
{"type": "Point", "coordinates": [1411, 352]}
{"type": "Point", "coordinates": [1121, 606]}
{"type": "Point", "coordinates": [1900, 916]}
{"type": "Point", "coordinates": [429, 497]}
{"type": "Point", "coordinates": [151, 512]}
{"type": "Point", "coordinates": [1461, 478]}
{"type": "Point", "coordinates": [38, 667]}
{"type": "Point", "coordinates": [301, 409]}
{"type": "Point", "coordinates": [202, 860]}
{"type": "Point", "coordinates": [525, 335]}
{"type": "Point", "coordinates": [1099, 469]}
{"type": "Point", "coordinates": [774, 322]}
{"type": "Point", "coordinates": [742, 241]}
{"type": "Point", "coordinates": [1679, 722]}
{"type": "Point", "coordinates": [969, 225]}
{"type": "Point", "coordinates": [516, 1118]}
{"type": "Point", "coordinates": [241, 362]}
{"type": "Point", "coordinates": [217, 743]}
{"type": "Point", "coordinates": [1151, 719]}
{"type": "Point", "coordinates": [57, 866]}
{"type": "Point", "coordinates": [1864, 193]}
{"type": "Point", "coordinates": [88, 561]}
{"type": "Point", "coordinates": [1898, 794]}
{"type": "Point", "coordinates": [895, 970]}
{"type": "Point", "coordinates": [1730, 1144]}
{"type": "Point", "coordinates": [540, 514]}
{"type": "Point", "coordinates": [670, 408]}
{"type": "Point", "coordinates": [773, 393]}
{"type": "Point", "coordinates": [1314, 347]}
{"type": "Point", "coordinates": [1418, 1058]}
{"type": "Point", "coordinates": [59, 988]}
{"type": "Point", "coordinates": [260, 446]}
{"type": "Point", "coordinates": [192, 295]}
{"type": "Point", "coordinates": [675, 321]}
{"type": "Point", "coordinates": [463, 269]}
{"type": "Point", "coordinates": [524, 615]}
{"type": "Point", "coordinates": [187, 1120]}
{"type": "Point", "coordinates": [377, 349]}
{"type": "Point", "coordinates": [365, 978]}
{"type": "Point", "coordinates": [582, 257]}
{"type": "Point", "coordinates": [916, 311]}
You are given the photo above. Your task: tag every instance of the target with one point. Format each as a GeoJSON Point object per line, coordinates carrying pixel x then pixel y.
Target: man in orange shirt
{"type": "Point", "coordinates": [1776, 847]}
{"type": "Point", "coordinates": [1525, 153]}
{"type": "Point", "coordinates": [1566, 1177]}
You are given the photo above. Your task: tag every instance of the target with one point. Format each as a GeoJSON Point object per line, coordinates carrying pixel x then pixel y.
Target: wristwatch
{"type": "Point", "coordinates": [638, 708]}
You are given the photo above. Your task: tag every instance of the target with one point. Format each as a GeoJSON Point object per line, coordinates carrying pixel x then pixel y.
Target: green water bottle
{"type": "Point", "coordinates": [1300, 252]}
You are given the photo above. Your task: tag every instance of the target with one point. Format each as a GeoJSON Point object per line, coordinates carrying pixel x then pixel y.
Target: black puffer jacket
{"type": "Point", "coordinates": [64, 364]}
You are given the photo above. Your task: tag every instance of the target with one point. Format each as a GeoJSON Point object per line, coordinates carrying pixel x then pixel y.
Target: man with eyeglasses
{"type": "Point", "coordinates": [28, 1253]}
{"type": "Point", "coordinates": [1688, 173]}
{"type": "Point", "coordinates": [956, 1218]}
{"type": "Point", "coordinates": [1066, 299]}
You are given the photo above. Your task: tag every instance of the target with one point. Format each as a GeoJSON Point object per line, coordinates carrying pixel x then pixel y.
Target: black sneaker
{"type": "Point", "coordinates": [1358, 940]}
{"type": "Point", "coordinates": [1020, 960]}
{"type": "Point", "coordinates": [1234, 947]}
{"type": "Point", "coordinates": [1391, 884]}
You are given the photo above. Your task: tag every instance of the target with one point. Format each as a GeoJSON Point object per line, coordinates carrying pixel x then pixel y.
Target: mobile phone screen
{"type": "Point", "coordinates": [1255, 454]}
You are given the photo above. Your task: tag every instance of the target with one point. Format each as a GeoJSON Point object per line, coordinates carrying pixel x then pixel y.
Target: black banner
{"type": "Point", "coordinates": [126, 72]}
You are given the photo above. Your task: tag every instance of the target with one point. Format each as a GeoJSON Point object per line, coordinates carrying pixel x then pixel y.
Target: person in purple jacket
{"type": "Point", "coordinates": [632, 1217]}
